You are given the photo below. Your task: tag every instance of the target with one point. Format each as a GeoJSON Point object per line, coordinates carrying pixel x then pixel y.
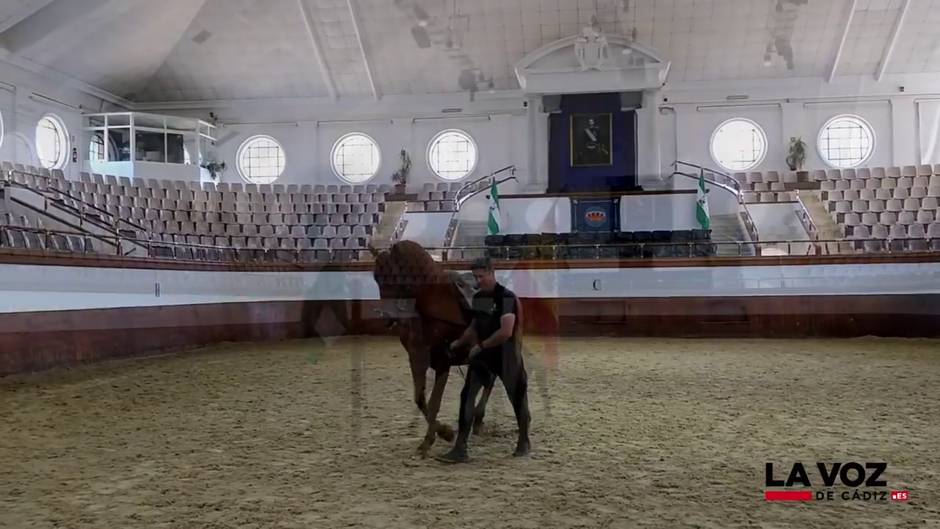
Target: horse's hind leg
{"type": "Point", "coordinates": [480, 410]}
{"type": "Point", "coordinates": [434, 405]}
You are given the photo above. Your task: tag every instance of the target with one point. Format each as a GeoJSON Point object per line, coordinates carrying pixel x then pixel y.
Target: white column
{"type": "Point", "coordinates": [904, 132]}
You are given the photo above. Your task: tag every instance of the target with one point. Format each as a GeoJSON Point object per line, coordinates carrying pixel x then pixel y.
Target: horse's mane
{"type": "Point", "coordinates": [407, 270]}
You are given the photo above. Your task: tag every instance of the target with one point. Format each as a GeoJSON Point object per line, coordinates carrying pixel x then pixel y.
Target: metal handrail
{"type": "Point", "coordinates": [452, 223]}
{"type": "Point", "coordinates": [81, 217]}
{"type": "Point", "coordinates": [150, 245]}
{"type": "Point", "coordinates": [467, 188]}
{"type": "Point", "coordinates": [734, 188]}
{"type": "Point", "coordinates": [734, 183]}
{"type": "Point", "coordinates": [806, 219]}
{"type": "Point", "coordinates": [819, 247]}
{"type": "Point", "coordinates": [640, 250]}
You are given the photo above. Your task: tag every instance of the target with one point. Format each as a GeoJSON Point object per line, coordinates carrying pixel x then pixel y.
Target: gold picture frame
{"type": "Point", "coordinates": [591, 140]}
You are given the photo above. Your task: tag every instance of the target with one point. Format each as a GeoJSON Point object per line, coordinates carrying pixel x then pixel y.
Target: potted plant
{"type": "Point", "coordinates": [797, 156]}
{"type": "Point", "coordinates": [401, 175]}
{"type": "Point", "coordinates": [215, 169]}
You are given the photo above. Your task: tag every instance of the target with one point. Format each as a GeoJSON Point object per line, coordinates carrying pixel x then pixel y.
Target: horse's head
{"type": "Point", "coordinates": [408, 276]}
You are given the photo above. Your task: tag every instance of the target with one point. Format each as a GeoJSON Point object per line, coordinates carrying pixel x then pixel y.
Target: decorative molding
{"type": "Point", "coordinates": [561, 67]}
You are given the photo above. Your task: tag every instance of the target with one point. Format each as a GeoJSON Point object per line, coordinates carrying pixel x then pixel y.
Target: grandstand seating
{"type": "Point", "coordinates": [769, 187]}
{"type": "Point", "coordinates": [896, 204]}
{"type": "Point", "coordinates": [189, 220]}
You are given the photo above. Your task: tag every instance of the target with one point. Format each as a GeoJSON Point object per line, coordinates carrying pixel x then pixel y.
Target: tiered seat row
{"type": "Point", "coordinates": [769, 187]}
{"type": "Point", "coordinates": [29, 239]}
{"type": "Point", "coordinates": [438, 197]}
{"type": "Point", "coordinates": [900, 204]}
{"type": "Point", "coordinates": [320, 222]}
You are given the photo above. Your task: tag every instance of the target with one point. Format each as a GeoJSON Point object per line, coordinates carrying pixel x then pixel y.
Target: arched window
{"type": "Point", "coordinates": [52, 142]}
{"type": "Point", "coordinates": [452, 155]}
{"type": "Point", "coordinates": [355, 158]}
{"type": "Point", "coordinates": [96, 147]}
{"type": "Point", "coordinates": [739, 144]}
{"type": "Point", "coordinates": [261, 160]}
{"type": "Point", "coordinates": [846, 141]}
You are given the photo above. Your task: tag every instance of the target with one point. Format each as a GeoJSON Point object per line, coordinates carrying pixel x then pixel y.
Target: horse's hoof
{"type": "Point", "coordinates": [478, 427]}
{"type": "Point", "coordinates": [522, 449]}
{"type": "Point", "coordinates": [456, 455]}
{"type": "Point", "coordinates": [445, 432]}
{"type": "Point", "coordinates": [423, 450]}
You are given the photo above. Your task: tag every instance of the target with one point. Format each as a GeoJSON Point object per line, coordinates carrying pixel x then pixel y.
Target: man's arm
{"type": "Point", "coordinates": [506, 324]}
{"type": "Point", "coordinates": [469, 337]}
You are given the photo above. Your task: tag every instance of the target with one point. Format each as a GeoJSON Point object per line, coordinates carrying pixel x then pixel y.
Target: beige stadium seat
{"type": "Point", "coordinates": [869, 219]}
{"type": "Point", "coordinates": [790, 177]}
{"type": "Point", "coordinates": [880, 231]}
{"type": "Point", "coordinates": [878, 172]}
{"type": "Point", "coordinates": [902, 193]}
{"type": "Point", "coordinates": [889, 218]}
{"type": "Point", "coordinates": [761, 187]}
{"type": "Point", "coordinates": [827, 185]}
{"type": "Point", "coordinates": [873, 183]}
{"type": "Point", "coordinates": [893, 172]}
{"type": "Point", "coordinates": [925, 216]}
{"type": "Point", "coordinates": [884, 194]}
{"type": "Point", "coordinates": [906, 218]}
{"type": "Point", "coordinates": [912, 204]}
{"type": "Point", "coordinates": [918, 192]}
{"type": "Point", "coordinates": [858, 184]}
{"type": "Point", "coordinates": [843, 185]}
{"type": "Point", "coordinates": [866, 194]}
{"type": "Point", "coordinates": [931, 203]}
{"type": "Point", "coordinates": [860, 206]}
{"type": "Point", "coordinates": [834, 174]}
{"type": "Point", "coordinates": [909, 171]}
{"type": "Point", "coordinates": [863, 173]}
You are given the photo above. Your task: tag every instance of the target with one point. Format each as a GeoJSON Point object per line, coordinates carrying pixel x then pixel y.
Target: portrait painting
{"type": "Point", "coordinates": [591, 140]}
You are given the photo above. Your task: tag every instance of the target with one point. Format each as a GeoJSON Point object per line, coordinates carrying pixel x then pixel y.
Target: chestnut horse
{"type": "Point", "coordinates": [430, 308]}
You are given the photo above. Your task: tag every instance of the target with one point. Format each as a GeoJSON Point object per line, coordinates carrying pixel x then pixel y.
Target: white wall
{"type": "Point", "coordinates": [28, 288]}
{"type": "Point", "coordinates": [658, 212]}
{"type": "Point", "coordinates": [21, 109]}
{"type": "Point", "coordinates": [536, 215]}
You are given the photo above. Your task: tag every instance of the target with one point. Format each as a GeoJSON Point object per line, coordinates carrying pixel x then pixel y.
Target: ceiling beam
{"type": "Point", "coordinates": [845, 36]}
{"type": "Point", "coordinates": [362, 49]}
{"type": "Point", "coordinates": [892, 41]}
{"type": "Point", "coordinates": [22, 12]}
{"type": "Point", "coordinates": [54, 29]}
{"type": "Point", "coordinates": [317, 49]}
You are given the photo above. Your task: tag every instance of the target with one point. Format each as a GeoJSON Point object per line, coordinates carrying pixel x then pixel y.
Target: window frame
{"type": "Point", "coordinates": [865, 124]}
{"type": "Point", "coordinates": [247, 144]}
{"type": "Point", "coordinates": [757, 127]}
{"type": "Point", "coordinates": [476, 154]}
{"type": "Point", "coordinates": [63, 133]}
{"type": "Point", "coordinates": [338, 143]}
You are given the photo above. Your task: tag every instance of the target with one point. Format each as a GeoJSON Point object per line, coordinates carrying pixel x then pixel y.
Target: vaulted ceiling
{"type": "Point", "coordinates": [175, 50]}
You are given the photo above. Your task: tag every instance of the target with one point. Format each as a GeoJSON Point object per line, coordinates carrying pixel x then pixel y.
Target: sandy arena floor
{"type": "Point", "coordinates": [626, 433]}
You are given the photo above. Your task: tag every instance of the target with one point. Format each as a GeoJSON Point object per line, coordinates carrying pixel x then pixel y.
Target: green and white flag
{"type": "Point", "coordinates": [701, 205]}
{"type": "Point", "coordinates": [493, 223]}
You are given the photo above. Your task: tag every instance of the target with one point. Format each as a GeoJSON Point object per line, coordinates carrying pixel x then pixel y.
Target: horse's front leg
{"type": "Point", "coordinates": [433, 407]}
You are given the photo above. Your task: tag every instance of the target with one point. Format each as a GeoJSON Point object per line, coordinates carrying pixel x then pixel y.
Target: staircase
{"type": "Point", "coordinates": [470, 233]}
{"type": "Point", "coordinates": [729, 228]}
{"type": "Point", "coordinates": [392, 217]}
{"type": "Point", "coordinates": [827, 228]}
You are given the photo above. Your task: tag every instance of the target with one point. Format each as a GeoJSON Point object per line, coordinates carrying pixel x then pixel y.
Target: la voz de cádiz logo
{"type": "Point", "coordinates": [857, 481]}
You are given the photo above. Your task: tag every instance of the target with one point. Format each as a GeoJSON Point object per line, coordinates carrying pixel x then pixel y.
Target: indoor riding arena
{"type": "Point", "coordinates": [407, 264]}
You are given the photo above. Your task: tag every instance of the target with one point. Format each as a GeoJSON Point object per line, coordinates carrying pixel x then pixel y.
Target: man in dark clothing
{"type": "Point", "coordinates": [496, 338]}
